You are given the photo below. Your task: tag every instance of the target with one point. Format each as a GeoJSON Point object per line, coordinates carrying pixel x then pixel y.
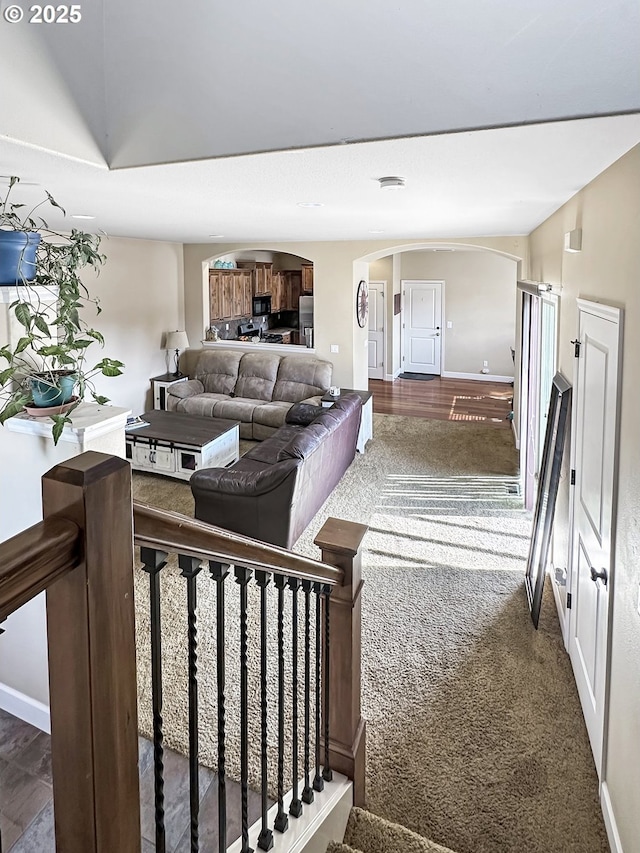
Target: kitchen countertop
{"type": "Point", "coordinates": [259, 345]}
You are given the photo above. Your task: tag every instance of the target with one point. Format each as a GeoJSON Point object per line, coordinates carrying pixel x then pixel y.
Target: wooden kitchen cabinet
{"type": "Point", "coordinates": [292, 289]}
{"type": "Point", "coordinates": [230, 294]}
{"type": "Point", "coordinates": [261, 272]}
{"type": "Point", "coordinates": [277, 292]}
{"type": "Point", "coordinates": [307, 279]}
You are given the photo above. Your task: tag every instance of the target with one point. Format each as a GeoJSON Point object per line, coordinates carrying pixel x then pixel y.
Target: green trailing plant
{"type": "Point", "coordinates": [55, 335]}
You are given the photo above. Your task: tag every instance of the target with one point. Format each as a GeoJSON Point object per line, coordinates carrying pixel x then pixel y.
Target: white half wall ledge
{"type": "Point", "coordinates": [25, 708]}
{"type": "Point", "coordinates": [88, 421]}
{"type": "Point", "coordinates": [476, 377]}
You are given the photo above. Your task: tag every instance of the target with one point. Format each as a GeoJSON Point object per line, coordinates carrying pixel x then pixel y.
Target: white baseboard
{"type": "Point", "coordinates": [390, 377]}
{"type": "Point", "coordinates": [609, 820]}
{"type": "Point", "coordinates": [25, 708]}
{"type": "Point", "coordinates": [322, 821]}
{"type": "Point", "coordinates": [562, 614]}
{"type": "Point", "coordinates": [515, 434]}
{"type": "Point", "coordinates": [477, 377]}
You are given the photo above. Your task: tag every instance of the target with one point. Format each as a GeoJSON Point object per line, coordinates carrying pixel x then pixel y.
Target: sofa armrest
{"type": "Point", "coordinates": [241, 483]}
{"type": "Point", "coordinates": [186, 389]}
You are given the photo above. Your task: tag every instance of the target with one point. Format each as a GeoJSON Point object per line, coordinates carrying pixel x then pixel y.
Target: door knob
{"type": "Point", "coordinates": [601, 575]}
{"type": "Point", "coordinates": [437, 334]}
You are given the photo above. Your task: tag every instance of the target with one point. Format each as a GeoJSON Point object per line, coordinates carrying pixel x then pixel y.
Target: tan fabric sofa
{"type": "Point", "coordinates": [255, 388]}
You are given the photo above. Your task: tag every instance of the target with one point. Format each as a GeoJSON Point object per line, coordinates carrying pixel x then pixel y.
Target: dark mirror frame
{"type": "Point", "coordinates": [550, 468]}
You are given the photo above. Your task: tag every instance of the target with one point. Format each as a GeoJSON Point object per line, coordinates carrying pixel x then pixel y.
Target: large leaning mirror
{"type": "Point", "coordinates": [550, 467]}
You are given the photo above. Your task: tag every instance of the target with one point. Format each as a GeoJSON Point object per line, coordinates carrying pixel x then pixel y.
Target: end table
{"type": "Point", "coordinates": [160, 384]}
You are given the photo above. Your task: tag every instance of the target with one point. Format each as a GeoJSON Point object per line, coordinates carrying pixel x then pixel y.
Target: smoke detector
{"type": "Point", "coordinates": [391, 183]}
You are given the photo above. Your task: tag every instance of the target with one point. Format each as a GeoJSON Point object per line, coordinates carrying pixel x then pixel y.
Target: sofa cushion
{"type": "Point", "coordinates": [302, 414]}
{"type": "Point", "coordinates": [257, 375]}
{"type": "Point", "coordinates": [304, 443]}
{"type": "Point", "coordinates": [271, 414]}
{"type": "Point", "coordinates": [267, 451]}
{"type": "Point", "coordinates": [201, 404]}
{"type": "Point", "coordinates": [218, 370]}
{"type": "Point", "coordinates": [302, 376]}
{"type": "Point", "coordinates": [235, 409]}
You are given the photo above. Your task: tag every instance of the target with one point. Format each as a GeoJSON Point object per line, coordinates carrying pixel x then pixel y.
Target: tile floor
{"type": "Point", "coordinates": [26, 797]}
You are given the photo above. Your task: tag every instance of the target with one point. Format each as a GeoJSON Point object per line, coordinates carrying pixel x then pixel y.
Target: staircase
{"type": "Point", "coordinates": [368, 833]}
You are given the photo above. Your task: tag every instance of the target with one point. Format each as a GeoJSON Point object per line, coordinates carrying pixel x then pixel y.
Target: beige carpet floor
{"type": "Point", "coordinates": [475, 734]}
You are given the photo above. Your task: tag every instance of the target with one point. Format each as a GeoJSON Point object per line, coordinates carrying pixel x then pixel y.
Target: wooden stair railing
{"type": "Point", "coordinates": [82, 555]}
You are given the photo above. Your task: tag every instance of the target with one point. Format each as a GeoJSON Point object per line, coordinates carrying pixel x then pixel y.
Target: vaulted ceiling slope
{"type": "Point", "coordinates": [153, 81]}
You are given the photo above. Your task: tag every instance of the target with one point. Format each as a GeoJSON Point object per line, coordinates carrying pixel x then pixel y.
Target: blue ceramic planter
{"type": "Point", "coordinates": [17, 256]}
{"type": "Point", "coordinates": [45, 394]}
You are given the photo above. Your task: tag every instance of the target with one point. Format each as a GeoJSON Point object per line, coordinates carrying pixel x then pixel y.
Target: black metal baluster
{"type": "Point", "coordinates": [243, 576]}
{"type": "Point", "coordinates": [318, 781]}
{"type": "Point", "coordinates": [307, 792]}
{"type": "Point", "coordinates": [153, 561]}
{"type": "Point", "coordinates": [190, 567]}
{"type": "Point", "coordinates": [265, 839]}
{"type": "Point", "coordinates": [281, 822]}
{"type": "Point", "coordinates": [327, 773]}
{"type": "Point", "coordinates": [219, 572]}
{"type": "Point", "coordinates": [295, 807]}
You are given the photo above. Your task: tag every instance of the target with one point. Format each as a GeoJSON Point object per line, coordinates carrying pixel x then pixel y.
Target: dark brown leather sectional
{"type": "Point", "coordinates": [273, 492]}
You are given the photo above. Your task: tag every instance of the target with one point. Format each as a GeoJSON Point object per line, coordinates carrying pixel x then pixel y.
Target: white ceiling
{"type": "Point", "coordinates": [493, 182]}
{"type": "Point", "coordinates": [87, 107]}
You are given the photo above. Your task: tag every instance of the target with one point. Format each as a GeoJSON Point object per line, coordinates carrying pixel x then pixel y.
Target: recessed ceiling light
{"type": "Point", "coordinates": [443, 250]}
{"type": "Point", "coordinates": [376, 231]}
{"type": "Point", "coordinates": [215, 236]}
{"type": "Point", "coordinates": [82, 216]}
{"type": "Point", "coordinates": [391, 183]}
{"type": "Point", "coordinates": [310, 204]}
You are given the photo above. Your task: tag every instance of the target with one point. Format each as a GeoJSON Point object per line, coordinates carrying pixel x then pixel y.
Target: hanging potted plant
{"type": "Point", "coordinates": [47, 366]}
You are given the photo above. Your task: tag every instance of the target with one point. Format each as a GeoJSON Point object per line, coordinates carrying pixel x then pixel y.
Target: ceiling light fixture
{"type": "Point", "coordinates": [310, 204]}
{"type": "Point", "coordinates": [215, 236]}
{"type": "Point", "coordinates": [82, 216]}
{"type": "Point", "coordinates": [391, 183]}
{"type": "Point", "coordinates": [376, 231]}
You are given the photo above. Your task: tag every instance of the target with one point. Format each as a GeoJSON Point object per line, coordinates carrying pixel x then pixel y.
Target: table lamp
{"type": "Point", "coordinates": [177, 341]}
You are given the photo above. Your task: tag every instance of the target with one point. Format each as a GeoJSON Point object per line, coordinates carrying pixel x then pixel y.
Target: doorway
{"type": "Point", "coordinates": [538, 367]}
{"type": "Point", "coordinates": [422, 325]}
{"type": "Point", "coordinates": [377, 312]}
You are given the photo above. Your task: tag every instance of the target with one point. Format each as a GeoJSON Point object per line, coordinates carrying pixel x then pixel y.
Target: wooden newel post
{"type": "Point", "coordinates": [340, 543]}
{"type": "Point", "coordinates": [92, 663]}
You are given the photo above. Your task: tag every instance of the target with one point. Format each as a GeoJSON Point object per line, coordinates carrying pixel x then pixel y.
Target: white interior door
{"type": "Point", "coordinates": [594, 462]}
{"type": "Point", "coordinates": [376, 329]}
{"type": "Point", "coordinates": [422, 326]}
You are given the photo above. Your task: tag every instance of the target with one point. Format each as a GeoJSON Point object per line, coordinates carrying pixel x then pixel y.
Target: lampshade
{"type": "Point", "coordinates": [176, 340]}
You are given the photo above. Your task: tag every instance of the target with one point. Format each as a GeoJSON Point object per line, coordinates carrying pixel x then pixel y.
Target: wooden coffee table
{"type": "Point", "coordinates": [176, 445]}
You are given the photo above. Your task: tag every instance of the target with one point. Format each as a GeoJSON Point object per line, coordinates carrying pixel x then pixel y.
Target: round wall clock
{"type": "Point", "coordinates": [362, 303]}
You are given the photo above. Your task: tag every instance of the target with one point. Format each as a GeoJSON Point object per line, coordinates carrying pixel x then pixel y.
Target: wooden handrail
{"type": "Point", "coordinates": [173, 532]}
{"type": "Point", "coordinates": [33, 559]}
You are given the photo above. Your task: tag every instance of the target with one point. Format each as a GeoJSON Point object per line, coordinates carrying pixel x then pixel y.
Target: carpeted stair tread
{"type": "Point", "coordinates": [372, 834]}
{"type": "Point", "coordinates": [339, 847]}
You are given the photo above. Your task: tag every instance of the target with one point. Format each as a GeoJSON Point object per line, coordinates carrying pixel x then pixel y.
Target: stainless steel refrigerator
{"type": "Point", "coordinates": [306, 320]}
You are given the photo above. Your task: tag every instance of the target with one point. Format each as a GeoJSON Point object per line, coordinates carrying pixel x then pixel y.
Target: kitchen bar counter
{"type": "Point", "coordinates": [249, 346]}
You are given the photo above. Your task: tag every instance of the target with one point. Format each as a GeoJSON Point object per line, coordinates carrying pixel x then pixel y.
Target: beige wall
{"type": "Point", "coordinates": [140, 290]}
{"type": "Point", "coordinates": [479, 298]}
{"type": "Point", "coordinates": [336, 278]}
{"type": "Point", "coordinates": [141, 293]}
{"type": "Point", "coordinates": [607, 270]}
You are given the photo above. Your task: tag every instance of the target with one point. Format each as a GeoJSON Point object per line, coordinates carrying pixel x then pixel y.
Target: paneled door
{"type": "Point", "coordinates": [422, 326]}
{"type": "Point", "coordinates": [595, 436]}
{"type": "Point", "coordinates": [376, 329]}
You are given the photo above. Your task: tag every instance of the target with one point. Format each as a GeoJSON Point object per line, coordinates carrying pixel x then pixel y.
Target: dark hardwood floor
{"type": "Point", "coordinates": [462, 400]}
{"type": "Point", "coordinates": [26, 796]}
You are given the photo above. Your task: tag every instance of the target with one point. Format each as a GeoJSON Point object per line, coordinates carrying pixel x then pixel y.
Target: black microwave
{"type": "Point", "coordinates": [261, 305]}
